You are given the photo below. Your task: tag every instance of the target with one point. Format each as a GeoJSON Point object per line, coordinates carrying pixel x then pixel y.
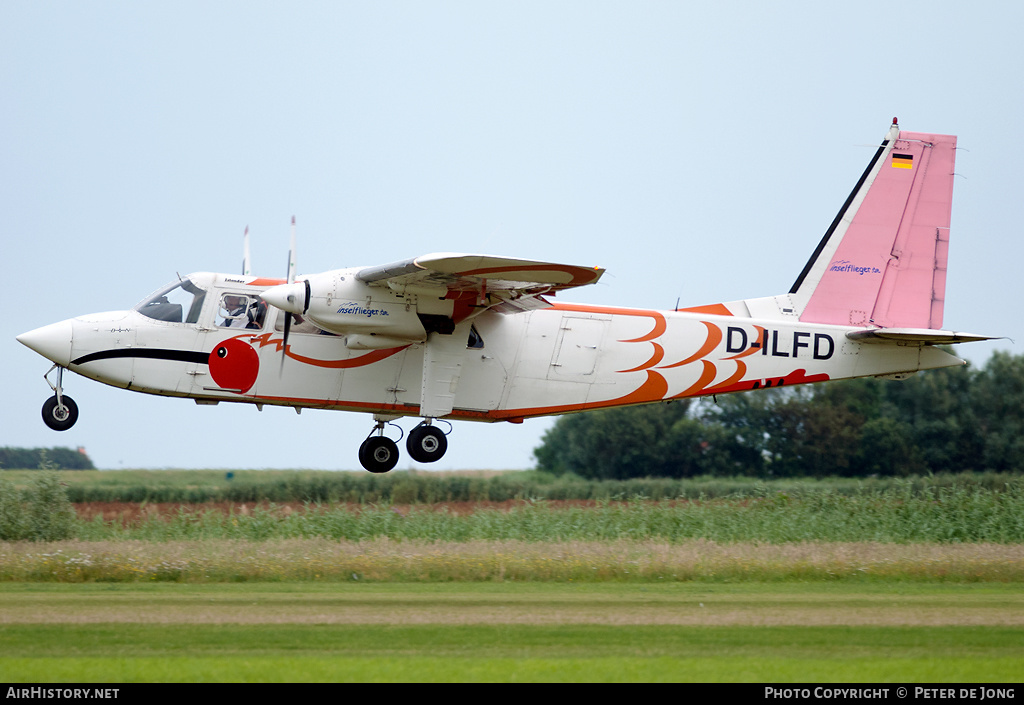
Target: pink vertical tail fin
{"type": "Point", "coordinates": [883, 260]}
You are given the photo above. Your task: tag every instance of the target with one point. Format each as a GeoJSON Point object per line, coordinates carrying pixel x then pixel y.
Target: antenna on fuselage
{"type": "Point", "coordinates": [246, 267]}
{"type": "Point", "coordinates": [291, 255]}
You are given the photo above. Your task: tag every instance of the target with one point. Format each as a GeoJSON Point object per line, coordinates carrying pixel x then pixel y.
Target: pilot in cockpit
{"type": "Point", "coordinates": [238, 311]}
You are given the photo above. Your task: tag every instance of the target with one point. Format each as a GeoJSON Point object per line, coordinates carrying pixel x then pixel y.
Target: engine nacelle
{"type": "Point", "coordinates": [338, 302]}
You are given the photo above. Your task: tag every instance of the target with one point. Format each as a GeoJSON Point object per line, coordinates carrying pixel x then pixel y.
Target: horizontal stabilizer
{"type": "Point", "coordinates": [915, 336]}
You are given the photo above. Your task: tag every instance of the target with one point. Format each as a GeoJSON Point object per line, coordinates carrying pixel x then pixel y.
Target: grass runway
{"type": "Point", "coordinates": [903, 584]}
{"type": "Point", "coordinates": [894, 632]}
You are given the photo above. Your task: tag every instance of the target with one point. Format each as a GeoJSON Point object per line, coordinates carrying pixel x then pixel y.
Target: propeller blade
{"type": "Point", "coordinates": [286, 298]}
{"type": "Point", "coordinates": [284, 346]}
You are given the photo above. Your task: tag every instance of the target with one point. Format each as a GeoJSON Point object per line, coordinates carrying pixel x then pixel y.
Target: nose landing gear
{"type": "Point", "coordinates": [379, 454]}
{"type": "Point", "coordinates": [60, 412]}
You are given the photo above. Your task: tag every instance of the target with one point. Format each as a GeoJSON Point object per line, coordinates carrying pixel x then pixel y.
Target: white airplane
{"type": "Point", "coordinates": [474, 337]}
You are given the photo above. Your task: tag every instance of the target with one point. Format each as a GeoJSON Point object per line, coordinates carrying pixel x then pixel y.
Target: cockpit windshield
{"type": "Point", "coordinates": [180, 302]}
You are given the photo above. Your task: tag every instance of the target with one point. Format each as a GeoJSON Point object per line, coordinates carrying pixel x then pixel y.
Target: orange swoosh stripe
{"type": "Point", "coordinates": [653, 389]}
{"type": "Point", "coordinates": [714, 338]}
{"type": "Point", "coordinates": [741, 369]}
{"type": "Point", "coordinates": [361, 361]}
{"type": "Point", "coordinates": [712, 309]}
{"type": "Point", "coordinates": [579, 275]}
{"type": "Point", "coordinates": [660, 325]}
{"type": "Point", "coordinates": [706, 377]}
{"type": "Point", "coordinates": [659, 354]}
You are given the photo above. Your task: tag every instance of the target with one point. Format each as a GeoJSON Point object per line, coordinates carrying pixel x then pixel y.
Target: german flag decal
{"type": "Point", "coordinates": [903, 161]}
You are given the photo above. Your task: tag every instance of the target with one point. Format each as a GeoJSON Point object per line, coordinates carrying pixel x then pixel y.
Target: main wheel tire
{"type": "Point", "coordinates": [58, 417]}
{"type": "Point", "coordinates": [378, 454]}
{"type": "Point", "coordinates": [426, 444]}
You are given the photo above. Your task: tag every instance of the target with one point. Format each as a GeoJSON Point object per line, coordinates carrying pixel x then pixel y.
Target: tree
{"type": "Point", "coordinates": [947, 420]}
{"type": "Point", "coordinates": [57, 458]}
{"type": "Point", "coordinates": [938, 406]}
{"type": "Point", "coordinates": [997, 397]}
{"type": "Point", "coordinates": [792, 432]}
{"type": "Point", "coordinates": [620, 443]}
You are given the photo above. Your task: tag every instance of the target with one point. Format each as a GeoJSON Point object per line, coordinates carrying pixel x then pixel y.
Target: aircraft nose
{"type": "Point", "coordinates": [52, 342]}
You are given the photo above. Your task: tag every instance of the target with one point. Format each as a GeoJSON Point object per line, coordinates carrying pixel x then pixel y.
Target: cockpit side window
{"type": "Point", "coordinates": [241, 311]}
{"type": "Point", "coordinates": [475, 341]}
{"type": "Point", "coordinates": [180, 302]}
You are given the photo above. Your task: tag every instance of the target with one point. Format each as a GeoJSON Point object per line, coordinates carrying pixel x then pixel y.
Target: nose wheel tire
{"type": "Point", "coordinates": [426, 444]}
{"type": "Point", "coordinates": [60, 416]}
{"type": "Point", "coordinates": [378, 454]}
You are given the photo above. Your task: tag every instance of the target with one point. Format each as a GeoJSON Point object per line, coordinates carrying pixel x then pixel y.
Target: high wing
{"type": "Point", "coordinates": [402, 303]}
{"type": "Point", "coordinates": [517, 284]}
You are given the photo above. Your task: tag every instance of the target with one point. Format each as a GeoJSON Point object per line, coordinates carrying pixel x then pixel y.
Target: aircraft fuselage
{"type": "Point", "coordinates": [556, 360]}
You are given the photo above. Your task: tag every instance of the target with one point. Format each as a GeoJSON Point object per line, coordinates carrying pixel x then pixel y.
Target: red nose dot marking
{"type": "Point", "coordinates": [234, 365]}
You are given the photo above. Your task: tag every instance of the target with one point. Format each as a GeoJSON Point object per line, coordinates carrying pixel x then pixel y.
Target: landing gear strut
{"type": "Point", "coordinates": [60, 412]}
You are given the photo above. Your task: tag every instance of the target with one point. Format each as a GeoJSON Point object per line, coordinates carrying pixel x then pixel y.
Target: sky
{"type": "Point", "coordinates": [698, 151]}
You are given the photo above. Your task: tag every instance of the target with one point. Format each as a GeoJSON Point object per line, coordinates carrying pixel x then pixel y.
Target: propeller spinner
{"type": "Point", "coordinates": [293, 298]}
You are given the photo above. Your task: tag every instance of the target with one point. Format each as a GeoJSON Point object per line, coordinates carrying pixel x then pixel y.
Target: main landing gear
{"type": "Point", "coordinates": [379, 454]}
{"type": "Point", "coordinates": [426, 443]}
{"type": "Point", "coordinates": [60, 412]}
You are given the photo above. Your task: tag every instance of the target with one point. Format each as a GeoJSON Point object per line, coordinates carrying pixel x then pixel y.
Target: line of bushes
{"type": "Point", "coordinates": [425, 488]}
{"type": "Point", "coordinates": [41, 512]}
{"type": "Point", "coordinates": [897, 515]}
{"type": "Point", "coordinates": [955, 512]}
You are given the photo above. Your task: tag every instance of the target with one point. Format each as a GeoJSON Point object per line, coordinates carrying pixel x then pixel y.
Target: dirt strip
{"type": "Point", "coordinates": [205, 582]}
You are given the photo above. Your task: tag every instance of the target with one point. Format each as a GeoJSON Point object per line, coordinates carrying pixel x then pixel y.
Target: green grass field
{"type": "Point", "coordinates": [906, 583]}
{"type": "Point", "coordinates": [747, 632]}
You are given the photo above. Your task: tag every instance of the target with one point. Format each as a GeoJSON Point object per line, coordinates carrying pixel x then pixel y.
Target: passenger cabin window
{"type": "Point", "coordinates": [241, 311]}
{"type": "Point", "coordinates": [475, 341]}
{"type": "Point", "coordinates": [180, 302]}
